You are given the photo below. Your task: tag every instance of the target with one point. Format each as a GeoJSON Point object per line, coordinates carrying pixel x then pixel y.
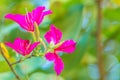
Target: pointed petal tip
{"type": "Point", "coordinates": [67, 46]}
{"type": "Point", "coordinates": [58, 65]}
{"type": "Point", "coordinates": [6, 43]}
{"type": "Point", "coordinates": [7, 15]}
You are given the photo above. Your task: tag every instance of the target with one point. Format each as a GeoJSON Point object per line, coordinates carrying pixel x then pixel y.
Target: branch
{"type": "Point", "coordinates": [17, 77]}
{"type": "Point", "coordinates": [98, 37]}
{"type": "Point", "coordinates": [21, 60]}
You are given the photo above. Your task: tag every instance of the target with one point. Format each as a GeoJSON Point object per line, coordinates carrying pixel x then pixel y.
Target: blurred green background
{"type": "Point", "coordinates": [77, 20]}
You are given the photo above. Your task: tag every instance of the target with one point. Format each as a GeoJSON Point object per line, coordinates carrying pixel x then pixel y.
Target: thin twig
{"type": "Point", "coordinates": [17, 77]}
{"type": "Point", "coordinates": [99, 45]}
{"type": "Point", "coordinates": [21, 60]}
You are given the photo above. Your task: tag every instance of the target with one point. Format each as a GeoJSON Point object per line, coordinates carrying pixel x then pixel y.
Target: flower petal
{"type": "Point", "coordinates": [38, 14]}
{"type": "Point", "coordinates": [15, 45]}
{"type": "Point", "coordinates": [50, 56]}
{"type": "Point", "coordinates": [9, 44]}
{"type": "Point", "coordinates": [32, 47]}
{"type": "Point", "coordinates": [20, 19]}
{"type": "Point", "coordinates": [47, 12]}
{"type": "Point", "coordinates": [17, 42]}
{"type": "Point", "coordinates": [53, 35]}
{"type": "Point", "coordinates": [67, 46]}
{"type": "Point", "coordinates": [29, 22]}
{"type": "Point", "coordinates": [23, 47]}
{"type": "Point", "coordinates": [58, 65]}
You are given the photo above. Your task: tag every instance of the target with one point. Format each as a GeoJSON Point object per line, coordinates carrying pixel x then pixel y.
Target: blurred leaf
{"type": "Point", "coordinates": [112, 14]}
{"type": "Point", "coordinates": [116, 2]}
{"type": "Point", "coordinates": [4, 66]}
{"type": "Point", "coordinates": [114, 73]}
{"type": "Point", "coordinates": [79, 52]}
{"type": "Point", "coordinates": [88, 59]}
{"type": "Point", "coordinates": [42, 76]}
{"type": "Point", "coordinates": [66, 23]}
{"type": "Point", "coordinates": [6, 30]}
{"type": "Point", "coordinates": [93, 71]}
{"type": "Point", "coordinates": [30, 65]}
{"type": "Point", "coordinates": [110, 61]}
{"type": "Point", "coordinates": [7, 76]}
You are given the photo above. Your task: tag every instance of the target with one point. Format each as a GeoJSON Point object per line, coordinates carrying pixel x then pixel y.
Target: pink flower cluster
{"type": "Point", "coordinates": [53, 37]}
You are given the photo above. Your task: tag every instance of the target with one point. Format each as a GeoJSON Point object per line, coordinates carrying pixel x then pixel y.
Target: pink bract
{"type": "Point", "coordinates": [54, 35]}
{"type": "Point", "coordinates": [27, 21]}
{"type": "Point", "coordinates": [23, 47]}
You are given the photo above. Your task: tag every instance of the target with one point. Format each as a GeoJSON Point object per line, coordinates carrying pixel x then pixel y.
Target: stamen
{"type": "Point", "coordinates": [29, 20]}
{"type": "Point", "coordinates": [28, 46]}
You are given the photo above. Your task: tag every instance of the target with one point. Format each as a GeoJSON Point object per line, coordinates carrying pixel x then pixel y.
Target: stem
{"type": "Point", "coordinates": [99, 45]}
{"type": "Point", "coordinates": [43, 43]}
{"type": "Point", "coordinates": [17, 77]}
{"type": "Point", "coordinates": [21, 60]}
{"type": "Point", "coordinates": [36, 35]}
{"type": "Point", "coordinates": [33, 35]}
{"type": "Point", "coordinates": [36, 32]}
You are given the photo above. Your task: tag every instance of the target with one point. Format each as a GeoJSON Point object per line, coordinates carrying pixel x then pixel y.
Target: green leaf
{"type": "Point", "coordinates": [114, 73]}
{"type": "Point", "coordinates": [42, 76]}
{"type": "Point", "coordinates": [112, 14]}
{"type": "Point", "coordinates": [4, 66]}
{"type": "Point", "coordinates": [110, 61]}
{"type": "Point", "coordinates": [93, 72]}
{"type": "Point", "coordinates": [7, 76]}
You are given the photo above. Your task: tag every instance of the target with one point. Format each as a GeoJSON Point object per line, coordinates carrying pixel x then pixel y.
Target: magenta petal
{"type": "Point", "coordinates": [53, 35]}
{"type": "Point", "coordinates": [57, 34]}
{"type": "Point", "coordinates": [50, 56]}
{"type": "Point", "coordinates": [33, 46]}
{"type": "Point", "coordinates": [67, 46]}
{"type": "Point", "coordinates": [15, 45]}
{"type": "Point", "coordinates": [47, 12]}
{"type": "Point", "coordinates": [20, 19]}
{"type": "Point", "coordinates": [39, 20]}
{"type": "Point", "coordinates": [48, 36]}
{"type": "Point", "coordinates": [27, 21]}
{"type": "Point", "coordinates": [17, 42]}
{"type": "Point", "coordinates": [9, 44]}
{"type": "Point", "coordinates": [38, 14]}
{"type": "Point", "coordinates": [58, 65]}
{"type": "Point", "coordinates": [23, 47]}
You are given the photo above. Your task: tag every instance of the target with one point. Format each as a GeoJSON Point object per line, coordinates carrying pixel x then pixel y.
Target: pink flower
{"type": "Point", "coordinates": [23, 47]}
{"type": "Point", "coordinates": [53, 36]}
{"type": "Point", "coordinates": [28, 20]}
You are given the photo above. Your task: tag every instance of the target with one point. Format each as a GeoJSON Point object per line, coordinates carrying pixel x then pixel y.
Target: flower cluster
{"type": "Point", "coordinates": [30, 22]}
